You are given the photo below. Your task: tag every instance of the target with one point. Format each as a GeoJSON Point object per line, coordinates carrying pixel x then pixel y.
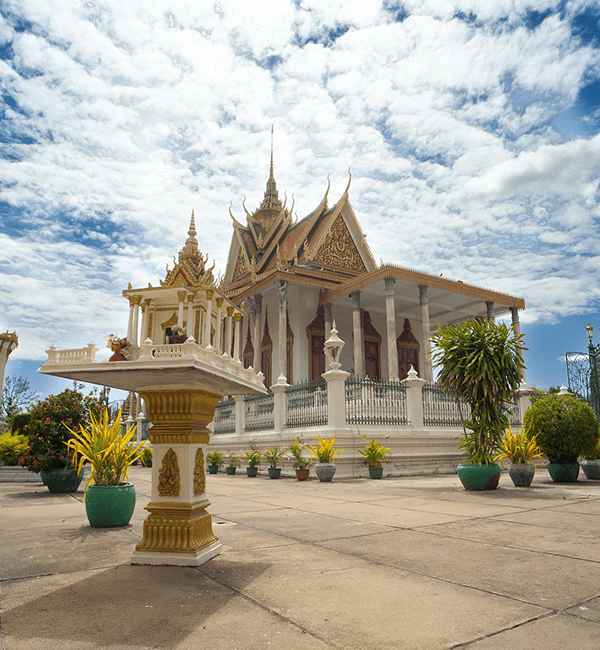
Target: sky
{"type": "Point", "coordinates": [471, 129]}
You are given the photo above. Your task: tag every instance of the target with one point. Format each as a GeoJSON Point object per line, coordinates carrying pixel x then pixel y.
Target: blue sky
{"type": "Point", "coordinates": [472, 130]}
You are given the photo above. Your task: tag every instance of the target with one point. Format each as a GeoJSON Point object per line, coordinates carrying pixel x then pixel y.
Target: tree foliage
{"type": "Point", "coordinates": [17, 396]}
{"type": "Point", "coordinates": [480, 365]}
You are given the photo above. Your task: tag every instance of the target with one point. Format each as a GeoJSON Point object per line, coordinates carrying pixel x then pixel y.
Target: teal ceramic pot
{"type": "Point", "coordinates": [521, 474]}
{"type": "Point", "coordinates": [325, 472]}
{"type": "Point", "coordinates": [591, 469]}
{"type": "Point", "coordinates": [479, 477]}
{"type": "Point", "coordinates": [375, 472]}
{"type": "Point", "coordinates": [251, 471]}
{"type": "Point", "coordinates": [109, 506]}
{"type": "Point", "coordinates": [230, 470]}
{"type": "Point", "coordinates": [274, 472]}
{"type": "Point", "coordinates": [563, 472]}
{"type": "Point", "coordinates": [213, 469]}
{"type": "Point", "coordinates": [61, 480]}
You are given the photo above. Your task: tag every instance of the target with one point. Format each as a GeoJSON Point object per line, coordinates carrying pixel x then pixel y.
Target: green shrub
{"type": "Point", "coordinates": [564, 426]}
{"type": "Point", "coordinates": [12, 447]}
{"type": "Point", "coordinates": [19, 422]}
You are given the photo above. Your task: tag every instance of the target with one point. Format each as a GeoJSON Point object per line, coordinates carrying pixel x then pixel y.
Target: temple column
{"type": "Point", "coordinates": [425, 328]}
{"type": "Point", "coordinates": [514, 311]}
{"type": "Point", "coordinates": [282, 334]}
{"type": "Point", "coordinates": [228, 331]}
{"type": "Point", "coordinates": [359, 362]}
{"type": "Point", "coordinates": [136, 315]}
{"type": "Point", "coordinates": [491, 312]}
{"type": "Point", "coordinates": [145, 318]}
{"type": "Point", "coordinates": [191, 324]}
{"type": "Point", "coordinates": [257, 331]}
{"type": "Point", "coordinates": [390, 315]}
{"type": "Point", "coordinates": [208, 318]}
{"type": "Point", "coordinates": [219, 326]}
{"type": "Point", "coordinates": [237, 337]}
{"type": "Point", "coordinates": [181, 300]}
{"type": "Point", "coordinates": [130, 322]}
{"type": "Point", "coordinates": [8, 343]}
{"type": "Point", "coordinates": [328, 318]}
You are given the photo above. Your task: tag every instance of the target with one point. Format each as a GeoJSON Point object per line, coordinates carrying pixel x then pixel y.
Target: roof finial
{"type": "Point", "coordinates": [271, 175]}
{"type": "Point", "coordinates": [192, 230]}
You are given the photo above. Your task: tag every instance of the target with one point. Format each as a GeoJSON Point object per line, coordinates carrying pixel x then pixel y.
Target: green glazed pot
{"type": "Point", "coordinates": [230, 470]}
{"type": "Point", "coordinates": [61, 480]}
{"type": "Point", "coordinates": [591, 469]}
{"type": "Point", "coordinates": [274, 472]}
{"type": "Point", "coordinates": [109, 506]}
{"type": "Point", "coordinates": [375, 472]}
{"type": "Point", "coordinates": [251, 471]}
{"type": "Point", "coordinates": [213, 469]}
{"type": "Point", "coordinates": [479, 477]}
{"type": "Point", "coordinates": [563, 472]}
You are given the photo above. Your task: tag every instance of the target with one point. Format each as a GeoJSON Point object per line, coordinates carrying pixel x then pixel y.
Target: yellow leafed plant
{"type": "Point", "coordinates": [106, 448]}
{"type": "Point", "coordinates": [325, 451]}
{"type": "Point", "coordinates": [519, 448]}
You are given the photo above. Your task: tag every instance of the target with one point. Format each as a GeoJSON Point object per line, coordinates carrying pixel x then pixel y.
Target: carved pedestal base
{"type": "Point", "coordinates": [178, 534]}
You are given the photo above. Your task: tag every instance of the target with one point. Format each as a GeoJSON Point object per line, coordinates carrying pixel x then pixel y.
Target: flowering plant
{"type": "Point", "coordinates": [46, 432]}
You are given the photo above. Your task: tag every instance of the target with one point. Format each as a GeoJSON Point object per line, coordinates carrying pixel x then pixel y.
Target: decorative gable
{"type": "Point", "coordinates": [339, 250]}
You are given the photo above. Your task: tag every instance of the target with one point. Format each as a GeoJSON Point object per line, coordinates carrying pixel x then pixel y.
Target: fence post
{"type": "Point", "coordinates": [414, 398]}
{"type": "Point", "coordinates": [240, 414]}
{"type": "Point", "coordinates": [279, 404]}
{"type": "Point", "coordinates": [336, 381]}
{"type": "Point", "coordinates": [524, 398]}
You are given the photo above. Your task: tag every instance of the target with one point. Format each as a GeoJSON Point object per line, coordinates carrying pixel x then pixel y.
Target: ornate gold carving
{"type": "Point", "coordinates": [169, 482]}
{"type": "Point", "coordinates": [150, 325]}
{"type": "Point", "coordinates": [240, 266]}
{"type": "Point", "coordinates": [199, 473]}
{"type": "Point", "coordinates": [181, 296]}
{"type": "Point", "coordinates": [339, 249]}
{"type": "Point", "coordinates": [209, 294]}
{"type": "Point", "coordinates": [219, 302]}
{"type": "Point", "coordinates": [177, 528]}
{"type": "Point", "coordinates": [180, 416]}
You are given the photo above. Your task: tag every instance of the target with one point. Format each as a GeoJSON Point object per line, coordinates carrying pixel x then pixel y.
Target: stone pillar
{"type": "Point", "coordinates": [130, 321]}
{"type": "Point", "coordinates": [491, 312]}
{"type": "Point", "coordinates": [240, 415]}
{"type": "Point", "coordinates": [390, 316]}
{"type": "Point", "coordinates": [328, 318]}
{"type": "Point", "coordinates": [208, 318]}
{"type": "Point", "coordinates": [359, 350]}
{"type": "Point", "coordinates": [257, 331]}
{"type": "Point", "coordinates": [219, 327]}
{"type": "Point", "coordinates": [414, 399]}
{"type": "Point", "coordinates": [524, 394]}
{"type": "Point", "coordinates": [282, 331]}
{"type": "Point", "coordinates": [517, 327]}
{"type": "Point", "coordinates": [178, 530]}
{"type": "Point", "coordinates": [191, 321]}
{"type": "Point", "coordinates": [136, 314]}
{"type": "Point", "coordinates": [425, 328]}
{"type": "Point", "coordinates": [181, 300]}
{"type": "Point", "coordinates": [228, 331]}
{"type": "Point", "coordinates": [237, 337]}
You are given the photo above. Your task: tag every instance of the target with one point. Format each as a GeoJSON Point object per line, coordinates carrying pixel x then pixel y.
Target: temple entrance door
{"type": "Point", "coordinates": [408, 351]}
{"type": "Point", "coordinates": [372, 364]}
{"type": "Point", "coordinates": [317, 357]}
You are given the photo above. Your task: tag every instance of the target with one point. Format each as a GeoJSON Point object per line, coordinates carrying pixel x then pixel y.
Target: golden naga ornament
{"type": "Point", "coordinates": [199, 474]}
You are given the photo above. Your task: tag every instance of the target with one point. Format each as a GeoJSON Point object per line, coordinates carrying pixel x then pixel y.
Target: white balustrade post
{"type": "Point", "coordinates": [90, 352]}
{"type": "Point", "coordinates": [336, 381]}
{"type": "Point", "coordinates": [279, 403]}
{"type": "Point", "coordinates": [414, 398]}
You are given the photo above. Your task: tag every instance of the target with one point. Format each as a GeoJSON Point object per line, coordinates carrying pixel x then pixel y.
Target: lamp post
{"type": "Point", "coordinates": [594, 387]}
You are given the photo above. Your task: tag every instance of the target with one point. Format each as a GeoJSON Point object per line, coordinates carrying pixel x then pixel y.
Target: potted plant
{"type": "Point", "coordinates": [565, 428]}
{"type": "Point", "coordinates": [324, 451]}
{"type": "Point", "coordinates": [479, 365]}
{"type": "Point", "coordinates": [47, 432]}
{"type": "Point", "coordinates": [522, 451]}
{"type": "Point", "coordinates": [146, 457]}
{"type": "Point", "coordinates": [590, 463]}
{"type": "Point", "coordinates": [109, 496]}
{"type": "Point", "coordinates": [214, 460]}
{"type": "Point", "coordinates": [233, 462]}
{"type": "Point", "coordinates": [253, 459]}
{"type": "Point", "coordinates": [375, 455]}
{"type": "Point", "coordinates": [301, 464]}
{"type": "Point", "coordinates": [274, 455]}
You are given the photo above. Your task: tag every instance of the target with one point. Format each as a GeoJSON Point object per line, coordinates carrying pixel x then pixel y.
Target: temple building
{"type": "Point", "coordinates": [293, 278]}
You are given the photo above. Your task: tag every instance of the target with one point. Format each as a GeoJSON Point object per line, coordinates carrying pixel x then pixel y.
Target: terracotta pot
{"type": "Point", "coordinates": [303, 473]}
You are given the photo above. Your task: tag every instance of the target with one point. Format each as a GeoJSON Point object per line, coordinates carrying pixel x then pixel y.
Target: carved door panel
{"type": "Point", "coordinates": [372, 362]}
{"type": "Point", "coordinates": [408, 357]}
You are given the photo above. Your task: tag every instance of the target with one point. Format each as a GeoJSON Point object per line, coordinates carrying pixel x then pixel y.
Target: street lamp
{"type": "Point", "coordinates": [590, 332]}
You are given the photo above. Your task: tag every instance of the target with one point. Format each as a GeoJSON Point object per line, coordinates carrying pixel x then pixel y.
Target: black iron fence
{"type": "Point", "coordinates": [259, 412]}
{"type": "Point", "coordinates": [224, 421]}
{"type": "Point", "coordinates": [375, 402]}
{"type": "Point", "coordinates": [440, 409]}
{"type": "Point", "coordinates": [306, 404]}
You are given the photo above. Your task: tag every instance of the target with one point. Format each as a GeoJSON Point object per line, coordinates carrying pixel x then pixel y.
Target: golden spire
{"type": "Point", "coordinates": [271, 199]}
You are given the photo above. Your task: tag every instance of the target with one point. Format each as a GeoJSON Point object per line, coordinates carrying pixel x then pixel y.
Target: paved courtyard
{"type": "Point", "coordinates": [406, 563]}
